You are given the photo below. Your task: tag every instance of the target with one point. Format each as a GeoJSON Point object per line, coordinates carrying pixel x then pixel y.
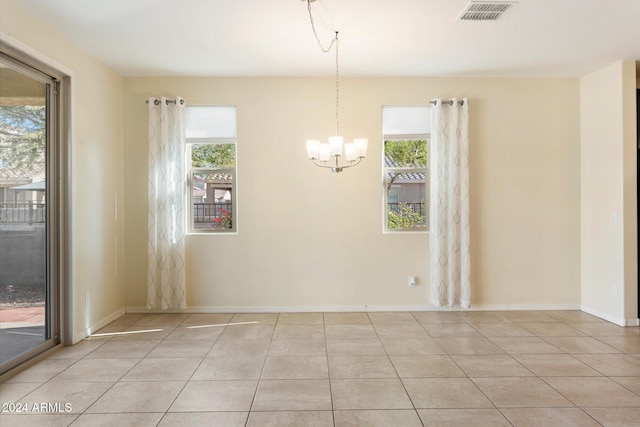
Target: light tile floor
{"type": "Point", "coordinates": [524, 368]}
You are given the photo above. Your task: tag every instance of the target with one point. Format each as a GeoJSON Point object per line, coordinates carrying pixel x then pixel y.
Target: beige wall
{"type": "Point", "coordinates": [97, 166]}
{"type": "Point", "coordinates": [310, 239]}
{"type": "Point", "coordinates": [608, 192]}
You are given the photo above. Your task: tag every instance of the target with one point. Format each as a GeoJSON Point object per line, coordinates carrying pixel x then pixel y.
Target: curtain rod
{"type": "Point", "coordinates": [169, 101]}
{"type": "Point", "coordinates": [450, 102]}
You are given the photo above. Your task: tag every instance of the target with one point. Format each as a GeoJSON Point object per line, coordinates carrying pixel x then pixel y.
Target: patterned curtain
{"type": "Point", "coordinates": [449, 204]}
{"type": "Point", "coordinates": [166, 267]}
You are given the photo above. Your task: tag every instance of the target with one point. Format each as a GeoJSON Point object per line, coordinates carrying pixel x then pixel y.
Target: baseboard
{"type": "Point", "coordinates": [356, 308]}
{"type": "Point", "coordinates": [616, 320]}
{"type": "Point", "coordinates": [77, 337]}
{"type": "Point", "coordinates": [281, 309]}
{"type": "Point", "coordinates": [524, 307]}
{"type": "Point", "coordinates": [633, 322]}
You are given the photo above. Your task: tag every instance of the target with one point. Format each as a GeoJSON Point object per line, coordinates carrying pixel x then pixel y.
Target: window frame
{"type": "Point", "coordinates": [422, 169]}
{"type": "Point", "coordinates": [232, 171]}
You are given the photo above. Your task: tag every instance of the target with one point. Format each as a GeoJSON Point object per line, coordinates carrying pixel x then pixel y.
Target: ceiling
{"type": "Point", "coordinates": [546, 38]}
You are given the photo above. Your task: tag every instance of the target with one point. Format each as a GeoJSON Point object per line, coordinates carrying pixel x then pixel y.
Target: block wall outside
{"type": "Point", "coordinates": [22, 255]}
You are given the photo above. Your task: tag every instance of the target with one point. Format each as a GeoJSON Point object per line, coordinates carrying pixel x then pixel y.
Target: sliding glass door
{"type": "Point", "coordinates": [29, 212]}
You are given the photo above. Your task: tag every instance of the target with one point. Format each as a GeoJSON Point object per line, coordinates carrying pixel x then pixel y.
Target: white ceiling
{"type": "Point", "coordinates": [555, 38]}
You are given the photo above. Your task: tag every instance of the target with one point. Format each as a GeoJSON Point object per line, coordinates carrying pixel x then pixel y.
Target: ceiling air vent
{"type": "Point", "coordinates": [484, 10]}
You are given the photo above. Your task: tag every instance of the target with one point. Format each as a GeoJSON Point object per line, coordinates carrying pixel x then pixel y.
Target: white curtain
{"type": "Point", "coordinates": [166, 267]}
{"type": "Point", "coordinates": [449, 204]}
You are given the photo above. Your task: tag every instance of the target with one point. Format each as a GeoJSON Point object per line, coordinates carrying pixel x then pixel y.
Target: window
{"type": "Point", "coordinates": [405, 168]}
{"type": "Point", "coordinates": [211, 158]}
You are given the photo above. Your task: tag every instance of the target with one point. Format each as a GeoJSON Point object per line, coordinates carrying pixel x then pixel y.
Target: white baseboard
{"type": "Point", "coordinates": [620, 321]}
{"type": "Point", "coordinates": [524, 307]}
{"type": "Point", "coordinates": [356, 308]}
{"type": "Point", "coordinates": [633, 322]}
{"type": "Point", "coordinates": [77, 337]}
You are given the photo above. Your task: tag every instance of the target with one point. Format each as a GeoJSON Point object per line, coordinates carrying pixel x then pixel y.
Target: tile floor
{"type": "Point", "coordinates": [520, 368]}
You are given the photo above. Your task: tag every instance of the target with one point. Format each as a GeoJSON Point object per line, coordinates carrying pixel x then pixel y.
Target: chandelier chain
{"type": "Point", "coordinates": [337, 88]}
{"type": "Point", "coordinates": [315, 34]}
{"type": "Point", "coordinates": [323, 49]}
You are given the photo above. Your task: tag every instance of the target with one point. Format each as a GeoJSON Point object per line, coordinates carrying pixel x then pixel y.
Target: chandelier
{"type": "Point", "coordinates": [328, 154]}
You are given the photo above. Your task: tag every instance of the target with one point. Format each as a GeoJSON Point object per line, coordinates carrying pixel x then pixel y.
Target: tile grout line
{"type": "Point", "coordinates": [264, 362]}
{"type": "Point", "coordinates": [111, 339]}
{"type": "Point", "coordinates": [192, 374]}
{"type": "Point", "coordinates": [326, 352]}
{"type": "Point", "coordinates": [386, 352]}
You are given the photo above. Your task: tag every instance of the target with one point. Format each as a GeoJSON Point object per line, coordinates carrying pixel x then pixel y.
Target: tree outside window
{"type": "Point", "coordinates": [405, 184]}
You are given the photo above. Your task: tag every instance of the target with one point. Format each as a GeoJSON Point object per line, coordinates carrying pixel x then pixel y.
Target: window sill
{"type": "Point", "coordinates": [212, 233]}
{"type": "Point", "coordinates": [400, 232]}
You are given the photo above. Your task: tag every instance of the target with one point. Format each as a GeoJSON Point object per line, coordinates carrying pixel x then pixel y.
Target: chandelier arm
{"type": "Point", "coordinates": [323, 165]}
{"type": "Point", "coordinates": [341, 167]}
{"type": "Point", "coordinates": [337, 167]}
{"type": "Point", "coordinates": [352, 163]}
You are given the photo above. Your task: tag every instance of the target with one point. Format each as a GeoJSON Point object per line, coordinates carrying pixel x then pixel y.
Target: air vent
{"type": "Point", "coordinates": [484, 11]}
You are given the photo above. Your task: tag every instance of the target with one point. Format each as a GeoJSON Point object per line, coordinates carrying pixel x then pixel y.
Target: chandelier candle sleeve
{"type": "Point", "coordinates": [361, 147]}
{"type": "Point", "coordinates": [312, 149]}
{"type": "Point", "coordinates": [335, 144]}
{"type": "Point", "coordinates": [324, 152]}
{"type": "Point", "coordinates": [350, 151]}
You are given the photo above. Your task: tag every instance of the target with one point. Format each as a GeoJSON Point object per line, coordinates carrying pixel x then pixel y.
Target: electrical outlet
{"type": "Point", "coordinates": [413, 281]}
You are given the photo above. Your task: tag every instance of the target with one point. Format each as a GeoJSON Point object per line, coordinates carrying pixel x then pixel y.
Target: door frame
{"type": "Point", "coordinates": [59, 295]}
